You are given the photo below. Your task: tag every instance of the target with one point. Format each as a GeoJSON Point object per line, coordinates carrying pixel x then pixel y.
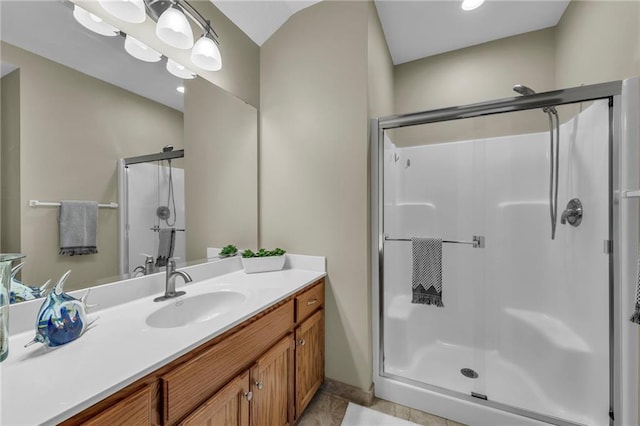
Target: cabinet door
{"type": "Point", "coordinates": [229, 406]}
{"type": "Point", "coordinates": [309, 359]}
{"type": "Point", "coordinates": [272, 386]}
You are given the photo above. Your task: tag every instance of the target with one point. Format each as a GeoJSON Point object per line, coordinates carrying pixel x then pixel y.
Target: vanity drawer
{"type": "Point", "coordinates": [190, 384]}
{"type": "Point", "coordinates": [133, 410]}
{"type": "Point", "coordinates": [309, 301]}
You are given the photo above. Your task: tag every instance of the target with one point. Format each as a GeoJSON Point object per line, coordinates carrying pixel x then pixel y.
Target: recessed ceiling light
{"type": "Point", "coordinates": [180, 89]}
{"type": "Point", "coordinates": [471, 4]}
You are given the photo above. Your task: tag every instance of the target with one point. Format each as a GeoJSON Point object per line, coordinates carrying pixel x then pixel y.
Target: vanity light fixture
{"type": "Point", "coordinates": [139, 50]}
{"type": "Point", "coordinates": [471, 4]}
{"type": "Point", "coordinates": [180, 89]}
{"type": "Point", "coordinates": [174, 29]}
{"type": "Point", "coordinates": [179, 70]}
{"type": "Point", "coordinates": [93, 22]}
{"type": "Point", "coordinates": [132, 11]}
{"type": "Point", "coordinates": [206, 54]}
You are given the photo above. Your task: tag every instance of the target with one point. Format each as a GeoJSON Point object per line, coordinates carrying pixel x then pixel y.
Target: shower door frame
{"type": "Point", "coordinates": [621, 250]}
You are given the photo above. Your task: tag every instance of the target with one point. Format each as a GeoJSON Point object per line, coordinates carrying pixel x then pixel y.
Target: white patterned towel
{"type": "Point", "coordinates": [636, 313]}
{"type": "Point", "coordinates": [426, 280]}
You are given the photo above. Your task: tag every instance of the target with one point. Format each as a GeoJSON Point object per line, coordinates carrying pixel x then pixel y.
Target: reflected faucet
{"type": "Point", "coordinates": [148, 268]}
{"type": "Point", "coordinates": [170, 281]}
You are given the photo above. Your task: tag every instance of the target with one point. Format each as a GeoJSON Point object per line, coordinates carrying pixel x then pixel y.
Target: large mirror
{"type": "Point", "coordinates": [74, 105]}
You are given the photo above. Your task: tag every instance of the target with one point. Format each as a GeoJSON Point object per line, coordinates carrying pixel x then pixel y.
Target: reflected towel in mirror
{"type": "Point", "coordinates": [78, 222]}
{"type": "Point", "coordinates": [167, 237]}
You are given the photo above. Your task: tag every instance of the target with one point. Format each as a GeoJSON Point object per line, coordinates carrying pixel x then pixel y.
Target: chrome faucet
{"type": "Point", "coordinates": [170, 283]}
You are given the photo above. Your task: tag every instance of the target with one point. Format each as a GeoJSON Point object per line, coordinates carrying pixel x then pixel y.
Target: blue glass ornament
{"type": "Point", "coordinates": [62, 318]}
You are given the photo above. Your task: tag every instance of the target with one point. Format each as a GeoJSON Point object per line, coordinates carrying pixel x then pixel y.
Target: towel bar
{"type": "Point", "coordinates": [477, 242]}
{"type": "Point", "coordinates": [36, 203]}
{"type": "Point", "coordinates": [157, 229]}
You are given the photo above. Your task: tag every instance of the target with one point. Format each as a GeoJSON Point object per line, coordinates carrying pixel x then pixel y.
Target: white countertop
{"type": "Point", "coordinates": [46, 386]}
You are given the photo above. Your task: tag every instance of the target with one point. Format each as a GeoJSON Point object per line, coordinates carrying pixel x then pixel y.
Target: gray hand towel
{"type": "Point", "coordinates": [167, 242]}
{"type": "Point", "coordinates": [426, 281]}
{"type": "Point", "coordinates": [78, 227]}
{"type": "Point", "coordinates": [636, 313]}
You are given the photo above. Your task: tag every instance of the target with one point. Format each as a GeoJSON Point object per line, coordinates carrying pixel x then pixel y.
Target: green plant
{"type": "Point", "coordinates": [263, 253]}
{"type": "Point", "coordinates": [229, 250]}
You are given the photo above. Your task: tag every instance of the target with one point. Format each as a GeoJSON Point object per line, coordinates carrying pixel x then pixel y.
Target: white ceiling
{"type": "Point", "coordinates": [417, 29]}
{"type": "Point", "coordinates": [414, 29]}
{"type": "Point", "coordinates": [259, 19]}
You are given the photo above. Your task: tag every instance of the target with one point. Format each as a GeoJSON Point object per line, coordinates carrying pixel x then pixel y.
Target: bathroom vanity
{"type": "Point", "coordinates": [259, 363]}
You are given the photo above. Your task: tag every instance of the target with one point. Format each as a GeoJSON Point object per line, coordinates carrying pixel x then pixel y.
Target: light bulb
{"type": "Point", "coordinates": [126, 10]}
{"type": "Point", "coordinates": [174, 29]}
{"type": "Point", "coordinates": [179, 70]}
{"type": "Point", "coordinates": [206, 55]}
{"type": "Point", "coordinates": [139, 50]}
{"type": "Point", "coordinates": [93, 22]}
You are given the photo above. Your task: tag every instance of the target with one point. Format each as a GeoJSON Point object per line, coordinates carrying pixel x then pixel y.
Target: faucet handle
{"type": "Point", "coordinates": [147, 258]}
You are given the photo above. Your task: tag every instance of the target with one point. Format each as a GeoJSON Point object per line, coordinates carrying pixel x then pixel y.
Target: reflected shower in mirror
{"type": "Point", "coordinates": [152, 225]}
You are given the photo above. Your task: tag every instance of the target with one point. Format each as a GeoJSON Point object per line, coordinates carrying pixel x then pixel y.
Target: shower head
{"type": "Point", "coordinates": [524, 90]}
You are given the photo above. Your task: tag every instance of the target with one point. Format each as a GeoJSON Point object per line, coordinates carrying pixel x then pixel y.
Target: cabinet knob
{"type": "Point", "coordinates": [248, 395]}
{"type": "Point", "coordinates": [312, 301]}
{"type": "Point", "coordinates": [301, 342]}
{"type": "Point", "coordinates": [259, 385]}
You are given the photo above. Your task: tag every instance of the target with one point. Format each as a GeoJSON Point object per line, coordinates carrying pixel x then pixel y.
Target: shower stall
{"type": "Point", "coordinates": [152, 199]}
{"type": "Point", "coordinates": [534, 329]}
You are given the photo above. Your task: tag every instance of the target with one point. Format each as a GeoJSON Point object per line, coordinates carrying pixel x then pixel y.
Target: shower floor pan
{"type": "Point", "coordinates": [499, 379]}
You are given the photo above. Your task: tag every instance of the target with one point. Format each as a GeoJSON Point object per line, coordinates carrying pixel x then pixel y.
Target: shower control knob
{"type": "Point", "coordinates": [573, 213]}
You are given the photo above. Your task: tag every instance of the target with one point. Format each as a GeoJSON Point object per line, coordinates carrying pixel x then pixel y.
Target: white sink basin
{"type": "Point", "coordinates": [195, 309]}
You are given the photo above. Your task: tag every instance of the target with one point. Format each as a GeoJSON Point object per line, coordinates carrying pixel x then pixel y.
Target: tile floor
{"type": "Point", "coordinates": [328, 410]}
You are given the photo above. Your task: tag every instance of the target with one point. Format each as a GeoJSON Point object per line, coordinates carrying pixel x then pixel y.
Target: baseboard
{"type": "Point", "coordinates": [348, 392]}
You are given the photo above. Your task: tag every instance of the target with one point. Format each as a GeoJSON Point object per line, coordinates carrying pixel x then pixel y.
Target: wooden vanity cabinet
{"type": "Point", "coordinates": [229, 406]}
{"type": "Point", "coordinates": [262, 372]}
{"type": "Point", "coordinates": [309, 359]}
{"type": "Point", "coordinates": [272, 386]}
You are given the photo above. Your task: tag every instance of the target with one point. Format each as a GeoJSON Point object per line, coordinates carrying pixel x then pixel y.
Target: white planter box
{"type": "Point", "coordinates": [262, 264]}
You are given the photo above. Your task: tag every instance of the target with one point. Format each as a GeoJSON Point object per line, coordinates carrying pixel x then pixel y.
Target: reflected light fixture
{"type": "Point", "coordinates": [93, 22]}
{"type": "Point", "coordinates": [139, 50]}
{"type": "Point", "coordinates": [179, 70]}
{"type": "Point", "coordinates": [471, 4]}
{"type": "Point", "coordinates": [206, 54]}
{"type": "Point", "coordinates": [126, 10]}
{"type": "Point", "coordinates": [174, 29]}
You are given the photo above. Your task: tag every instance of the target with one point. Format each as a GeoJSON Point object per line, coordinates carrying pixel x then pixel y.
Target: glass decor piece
{"type": "Point", "coordinates": [5, 283]}
{"type": "Point", "coordinates": [62, 318]}
{"type": "Point", "coordinates": [19, 292]}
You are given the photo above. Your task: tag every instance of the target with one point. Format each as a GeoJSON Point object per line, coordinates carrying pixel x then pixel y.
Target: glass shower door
{"type": "Point", "coordinates": [432, 190]}
{"type": "Point", "coordinates": [548, 305]}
